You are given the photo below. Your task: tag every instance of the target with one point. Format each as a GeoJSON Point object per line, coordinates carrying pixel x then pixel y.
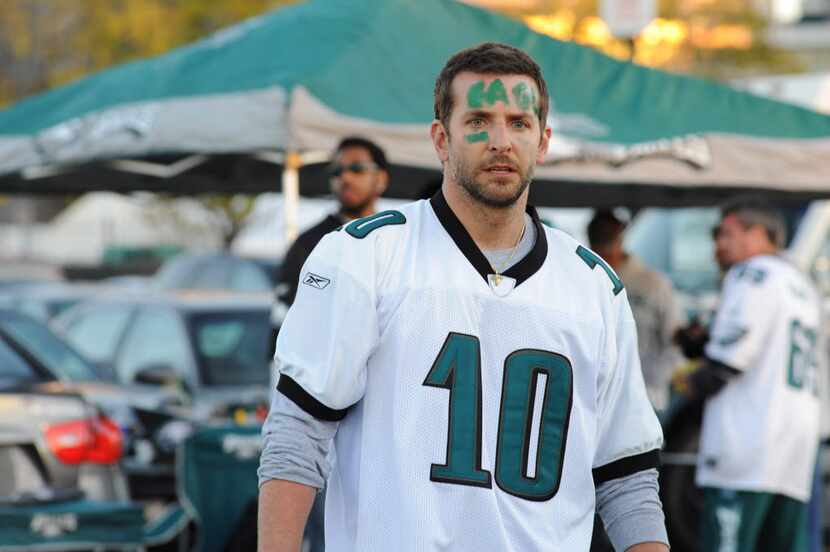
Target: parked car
{"type": "Point", "coordinates": [216, 271]}
{"type": "Point", "coordinates": [211, 350]}
{"type": "Point", "coordinates": [45, 300]}
{"type": "Point", "coordinates": [53, 443]}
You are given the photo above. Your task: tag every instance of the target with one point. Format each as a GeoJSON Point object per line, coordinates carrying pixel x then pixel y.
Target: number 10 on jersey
{"type": "Point", "coordinates": [524, 468]}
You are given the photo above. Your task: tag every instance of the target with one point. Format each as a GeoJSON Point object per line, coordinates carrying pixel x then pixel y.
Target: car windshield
{"type": "Point", "coordinates": [232, 346]}
{"type": "Point", "coordinates": [678, 243]}
{"type": "Point", "coordinates": [14, 369]}
{"type": "Point", "coordinates": [213, 272]}
{"type": "Point", "coordinates": [47, 348]}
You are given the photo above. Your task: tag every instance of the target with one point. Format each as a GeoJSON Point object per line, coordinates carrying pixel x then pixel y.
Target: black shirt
{"type": "Point", "coordinates": [291, 266]}
{"type": "Point", "coordinates": [297, 254]}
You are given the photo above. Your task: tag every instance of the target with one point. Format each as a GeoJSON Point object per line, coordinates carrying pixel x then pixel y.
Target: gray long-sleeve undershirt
{"type": "Point", "coordinates": [297, 446]}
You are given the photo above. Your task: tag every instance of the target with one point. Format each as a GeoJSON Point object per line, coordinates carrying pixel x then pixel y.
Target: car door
{"type": "Point", "coordinates": [156, 339]}
{"type": "Point", "coordinates": [97, 331]}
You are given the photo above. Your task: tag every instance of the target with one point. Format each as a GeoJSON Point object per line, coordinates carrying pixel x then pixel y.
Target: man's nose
{"type": "Point", "coordinates": [499, 138]}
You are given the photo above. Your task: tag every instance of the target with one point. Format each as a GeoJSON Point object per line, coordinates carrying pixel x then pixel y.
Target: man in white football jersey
{"type": "Point", "coordinates": [759, 378]}
{"type": "Point", "coordinates": [476, 371]}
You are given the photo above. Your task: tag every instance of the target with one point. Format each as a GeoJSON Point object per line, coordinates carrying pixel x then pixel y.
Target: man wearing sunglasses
{"type": "Point", "coordinates": [359, 176]}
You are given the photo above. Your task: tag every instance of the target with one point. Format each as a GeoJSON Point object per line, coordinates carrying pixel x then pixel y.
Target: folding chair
{"type": "Point", "coordinates": [72, 525]}
{"type": "Point", "coordinates": [216, 473]}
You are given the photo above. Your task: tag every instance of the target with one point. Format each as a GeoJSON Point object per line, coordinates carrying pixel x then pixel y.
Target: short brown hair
{"type": "Point", "coordinates": [490, 58]}
{"type": "Point", "coordinates": [604, 228]}
{"type": "Point", "coordinates": [752, 211]}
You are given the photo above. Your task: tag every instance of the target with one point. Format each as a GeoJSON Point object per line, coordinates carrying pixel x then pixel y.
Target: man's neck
{"type": "Point", "coordinates": [354, 215]}
{"type": "Point", "coordinates": [490, 227]}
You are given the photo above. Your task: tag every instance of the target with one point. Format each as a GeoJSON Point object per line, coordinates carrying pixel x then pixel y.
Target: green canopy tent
{"type": "Point", "coordinates": [228, 112]}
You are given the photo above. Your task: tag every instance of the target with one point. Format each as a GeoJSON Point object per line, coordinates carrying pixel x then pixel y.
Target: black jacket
{"type": "Point", "coordinates": [291, 266]}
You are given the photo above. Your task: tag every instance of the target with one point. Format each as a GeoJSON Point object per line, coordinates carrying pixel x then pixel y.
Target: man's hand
{"type": "Point", "coordinates": [692, 339]}
{"type": "Point", "coordinates": [283, 511]}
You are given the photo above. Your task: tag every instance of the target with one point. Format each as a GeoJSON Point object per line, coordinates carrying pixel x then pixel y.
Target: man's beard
{"type": "Point", "coordinates": [465, 176]}
{"type": "Point", "coordinates": [357, 210]}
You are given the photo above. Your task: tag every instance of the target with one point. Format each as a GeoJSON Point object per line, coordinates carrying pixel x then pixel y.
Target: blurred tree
{"type": "Point", "coordinates": [218, 214]}
{"type": "Point", "coordinates": [720, 39]}
{"type": "Point", "coordinates": [47, 43]}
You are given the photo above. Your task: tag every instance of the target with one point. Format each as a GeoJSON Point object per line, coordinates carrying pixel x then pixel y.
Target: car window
{"type": "Point", "coordinates": [13, 369]}
{"type": "Point", "coordinates": [96, 331]}
{"type": "Point", "coordinates": [232, 346]}
{"type": "Point", "coordinates": [48, 349]}
{"type": "Point", "coordinates": [176, 273]}
{"type": "Point", "coordinates": [33, 308]}
{"type": "Point", "coordinates": [212, 275]}
{"type": "Point", "coordinates": [156, 338]}
{"type": "Point", "coordinates": [249, 277]}
{"type": "Point", "coordinates": [678, 243]}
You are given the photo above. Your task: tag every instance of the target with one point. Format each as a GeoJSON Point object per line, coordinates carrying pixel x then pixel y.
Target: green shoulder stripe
{"type": "Point", "coordinates": [362, 227]}
{"type": "Point", "coordinates": [592, 260]}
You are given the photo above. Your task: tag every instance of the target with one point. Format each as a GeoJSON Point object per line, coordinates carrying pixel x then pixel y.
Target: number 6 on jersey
{"type": "Point", "coordinates": [527, 468]}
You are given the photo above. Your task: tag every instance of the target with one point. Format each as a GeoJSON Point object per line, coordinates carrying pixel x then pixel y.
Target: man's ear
{"type": "Point", "coordinates": [440, 140]}
{"type": "Point", "coordinates": [544, 142]}
{"type": "Point", "coordinates": [382, 182]}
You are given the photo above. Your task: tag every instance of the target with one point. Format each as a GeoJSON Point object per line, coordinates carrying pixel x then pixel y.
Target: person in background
{"type": "Point", "coordinates": [760, 380]}
{"type": "Point", "coordinates": [651, 296]}
{"type": "Point", "coordinates": [359, 175]}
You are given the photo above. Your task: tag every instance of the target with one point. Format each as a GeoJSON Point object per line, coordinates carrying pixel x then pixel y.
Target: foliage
{"type": "Point", "coordinates": [47, 43]}
{"type": "Point", "coordinates": [713, 38]}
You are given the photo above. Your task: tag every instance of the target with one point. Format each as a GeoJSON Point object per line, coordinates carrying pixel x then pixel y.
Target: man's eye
{"type": "Point", "coordinates": [519, 123]}
{"type": "Point", "coordinates": [476, 123]}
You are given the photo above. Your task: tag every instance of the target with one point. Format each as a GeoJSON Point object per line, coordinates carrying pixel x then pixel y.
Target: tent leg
{"type": "Point", "coordinates": [291, 195]}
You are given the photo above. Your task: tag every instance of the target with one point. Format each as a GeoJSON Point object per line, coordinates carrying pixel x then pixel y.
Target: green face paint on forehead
{"type": "Point", "coordinates": [477, 137]}
{"type": "Point", "coordinates": [524, 97]}
{"type": "Point", "coordinates": [478, 95]}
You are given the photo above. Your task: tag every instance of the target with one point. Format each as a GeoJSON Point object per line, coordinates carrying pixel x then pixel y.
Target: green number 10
{"type": "Point", "coordinates": [458, 368]}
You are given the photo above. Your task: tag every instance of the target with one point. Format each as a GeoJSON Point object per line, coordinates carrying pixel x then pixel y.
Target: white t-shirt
{"type": "Point", "coordinates": [475, 416]}
{"type": "Point", "coordinates": [761, 431]}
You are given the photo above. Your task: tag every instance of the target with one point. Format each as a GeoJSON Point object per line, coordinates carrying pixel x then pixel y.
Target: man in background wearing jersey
{"type": "Point", "coordinates": [651, 295]}
{"type": "Point", "coordinates": [477, 371]}
{"type": "Point", "coordinates": [760, 381]}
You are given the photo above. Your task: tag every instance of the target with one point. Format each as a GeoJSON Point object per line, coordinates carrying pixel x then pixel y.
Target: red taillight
{"type": "Point", "coordinates": [97, 440]}
{"type": "Point", "coordinates": [108, 442]}
{"type": "Point", "coordinates": [70, 441]}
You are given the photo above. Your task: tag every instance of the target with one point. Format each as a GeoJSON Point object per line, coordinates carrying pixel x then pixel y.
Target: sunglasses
{"type": "Point", "coordinates": [335, 170]}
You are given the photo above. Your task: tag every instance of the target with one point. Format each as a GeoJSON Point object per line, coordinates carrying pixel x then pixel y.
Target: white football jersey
{"type": "Point", "coordinates": [476, 414]}
{"type": "Point", "coordinates": [761, 431]}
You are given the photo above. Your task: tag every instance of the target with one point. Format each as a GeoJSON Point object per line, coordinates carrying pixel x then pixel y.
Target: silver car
{"type": "Point", "coordinates": [52, 441]}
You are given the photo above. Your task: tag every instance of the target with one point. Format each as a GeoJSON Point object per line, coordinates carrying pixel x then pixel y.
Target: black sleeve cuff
{"type": "Point", "coordinates": [309, 404]}
{"type": "Point", "coordinates": [626, 466]}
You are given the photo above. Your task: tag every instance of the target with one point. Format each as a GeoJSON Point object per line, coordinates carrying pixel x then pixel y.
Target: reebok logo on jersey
{"type": "Point", "coordinates": [316, 281]}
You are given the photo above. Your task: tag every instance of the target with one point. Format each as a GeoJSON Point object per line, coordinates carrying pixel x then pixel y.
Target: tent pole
{"type": "Point", "coordinates": [291, 195]}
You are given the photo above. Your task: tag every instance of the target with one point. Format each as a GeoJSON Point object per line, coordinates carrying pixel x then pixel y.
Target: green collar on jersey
{"type": "Point", "coordinates": [521, 271]}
